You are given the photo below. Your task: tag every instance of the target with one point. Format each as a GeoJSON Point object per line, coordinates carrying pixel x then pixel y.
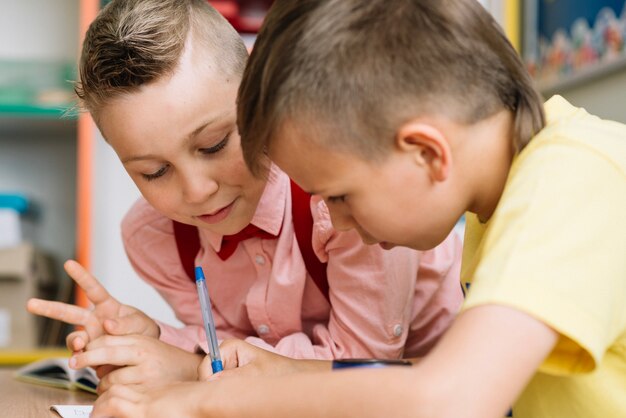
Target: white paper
{"type": "Point", "coordinates": [72, 411]}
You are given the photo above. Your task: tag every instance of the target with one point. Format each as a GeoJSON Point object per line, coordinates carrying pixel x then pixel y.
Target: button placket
{"type": "Point", "coordinates": [258, 310]}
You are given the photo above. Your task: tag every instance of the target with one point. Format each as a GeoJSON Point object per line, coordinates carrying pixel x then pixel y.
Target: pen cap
{"type": "Point", "coordinates": [368, 363]}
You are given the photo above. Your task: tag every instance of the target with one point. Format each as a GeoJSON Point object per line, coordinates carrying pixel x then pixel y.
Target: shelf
{"type": "Point", "coordinates": [584, 75]}
{"type": "Point", "coordinates": [20, 357]}
{"type": "Point", "coordinates": [18, 110]}
{"type": "Point", "coordinates": [36, 90]}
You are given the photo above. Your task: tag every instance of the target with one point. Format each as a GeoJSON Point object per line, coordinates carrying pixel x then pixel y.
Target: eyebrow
{"type": "Point", "coordinates": [198, 130]}
{"type": "Point", "coordinates": [186, 139]}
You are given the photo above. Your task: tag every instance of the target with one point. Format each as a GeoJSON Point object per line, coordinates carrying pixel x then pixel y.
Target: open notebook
{"type": "Point", "coordinates": [56, 372]}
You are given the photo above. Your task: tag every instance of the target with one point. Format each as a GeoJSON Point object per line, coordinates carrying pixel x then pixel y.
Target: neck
{"type": "Point", "coordinates": [487, 153]}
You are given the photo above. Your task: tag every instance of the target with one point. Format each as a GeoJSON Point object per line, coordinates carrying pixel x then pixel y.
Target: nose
{"type": "Point", "coordinates": [197, 187]}
{"type": "Point", "coordinates": [340, 217]}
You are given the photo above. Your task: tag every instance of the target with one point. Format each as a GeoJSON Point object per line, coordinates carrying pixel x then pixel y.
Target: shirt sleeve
{"type": "Point", "coordinates": [555, 249]}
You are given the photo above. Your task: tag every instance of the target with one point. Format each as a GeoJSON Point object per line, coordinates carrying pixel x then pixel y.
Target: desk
{"type": "Point", "coordinates": [26, 400]}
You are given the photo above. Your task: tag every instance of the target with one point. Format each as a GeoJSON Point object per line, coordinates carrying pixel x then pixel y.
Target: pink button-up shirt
{"type": "Point", "coordinates": [383, 304]}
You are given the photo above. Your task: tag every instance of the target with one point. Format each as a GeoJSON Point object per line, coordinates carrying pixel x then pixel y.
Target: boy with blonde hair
{"type": "Point", "coordinates": [404, 115]}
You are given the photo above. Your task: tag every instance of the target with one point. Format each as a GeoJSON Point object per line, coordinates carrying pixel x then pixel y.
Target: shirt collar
{"type": "Point", "coordinates": [557, 108]}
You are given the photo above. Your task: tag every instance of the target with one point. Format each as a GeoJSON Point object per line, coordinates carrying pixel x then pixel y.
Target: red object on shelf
{"type": "Point", "coordinates": [245, 15]}
{"type": "Point", "coordinates": [228, 8]}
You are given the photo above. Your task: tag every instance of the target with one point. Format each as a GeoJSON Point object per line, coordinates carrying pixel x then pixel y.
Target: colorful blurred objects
{"type": "Point", "coordinates": [245, 15]}
{"type": "Point", "coordinates": [587, 43]}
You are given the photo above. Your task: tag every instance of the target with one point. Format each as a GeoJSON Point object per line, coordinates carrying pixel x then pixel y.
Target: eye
{"type": "Point", "coordinates": [216, 148]}
{"type": "Point", "coordinates": [336, 199]}
{"type": "Point", "coordinates": [153, 176]}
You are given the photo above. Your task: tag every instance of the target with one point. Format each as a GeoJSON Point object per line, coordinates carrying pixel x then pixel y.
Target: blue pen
{"type": "Point", "coordinates": [209, 324]}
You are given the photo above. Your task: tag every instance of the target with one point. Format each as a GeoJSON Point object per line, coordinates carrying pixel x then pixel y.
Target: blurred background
{"type": "Point", "coordinates": [63, 192]}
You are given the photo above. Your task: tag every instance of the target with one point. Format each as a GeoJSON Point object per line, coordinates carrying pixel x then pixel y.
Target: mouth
{"type": "Point", "coordinates": [218, 215]}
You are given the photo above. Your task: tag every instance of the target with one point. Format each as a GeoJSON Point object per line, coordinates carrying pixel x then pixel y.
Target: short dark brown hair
{"type": "Point", "coordinates": [135, 42]}
{"type": "Point", "coordinates": [360, 68]}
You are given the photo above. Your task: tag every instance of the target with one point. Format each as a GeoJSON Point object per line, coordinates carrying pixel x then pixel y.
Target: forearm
{"type": "Point", "coordinates": [482, 380]}
{"type": "Point", "coordinates": [313, 366]}
{"type": "Point", "coordinates": [353, 393]}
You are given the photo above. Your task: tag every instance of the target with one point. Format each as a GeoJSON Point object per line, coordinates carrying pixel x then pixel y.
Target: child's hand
{"type": "Point", "coordinates": [186, 399]}
{"type": "Point", "coordinates": [108, 316]}
{"type": "Point", "coordinates": [243, 359]}
{"type": "Point", "coordinates": [144, 362]}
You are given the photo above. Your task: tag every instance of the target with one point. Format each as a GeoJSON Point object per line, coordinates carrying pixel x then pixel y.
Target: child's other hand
{"type": "Point", "coordinates": [143, 362]}
{"type": "Point", "coordinates": [108, 316]}
{"type": "Point", "coordinates": [243, 359]}
{"type": "Point", "coordinates": [186, 399]}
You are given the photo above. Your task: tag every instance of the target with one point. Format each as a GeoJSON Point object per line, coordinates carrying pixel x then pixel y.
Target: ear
{"type": "Point", "coordinates": [429, 147]}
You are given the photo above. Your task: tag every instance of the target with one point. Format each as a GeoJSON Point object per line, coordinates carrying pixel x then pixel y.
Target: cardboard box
{"type": "Point", "coordinates": [24, 273]}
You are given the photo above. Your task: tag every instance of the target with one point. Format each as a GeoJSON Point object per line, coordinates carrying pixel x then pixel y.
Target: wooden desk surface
{"type": "Point", "coordinates": [20, 399]}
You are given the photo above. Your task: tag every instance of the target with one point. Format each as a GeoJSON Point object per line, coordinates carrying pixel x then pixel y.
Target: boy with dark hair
{"type": "Point", "coordinates": [404, 115]}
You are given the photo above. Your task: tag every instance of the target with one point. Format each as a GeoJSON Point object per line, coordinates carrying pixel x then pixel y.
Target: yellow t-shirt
{"type": "Point", "coordinates": [555, 248]}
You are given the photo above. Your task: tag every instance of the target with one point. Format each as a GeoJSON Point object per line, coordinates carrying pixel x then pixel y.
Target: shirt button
{"type": "Point", "coordinates": [263, 329]}
{"type": "Point", "coordinates": [397, 330]}
{"type": "Point", "coordinates": [260, 260]}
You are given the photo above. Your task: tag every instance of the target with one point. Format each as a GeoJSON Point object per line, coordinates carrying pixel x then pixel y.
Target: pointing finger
{"type": "Point", "coordinates": [58, 310]}
{"type": "Point", "coordinates": [95, 292]}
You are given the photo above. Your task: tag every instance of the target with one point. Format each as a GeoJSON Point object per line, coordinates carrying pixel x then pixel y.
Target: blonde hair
{"type": "Point", "coordinates": [355, 70]}
{"type": "Point", "coordinates": [135, 42]}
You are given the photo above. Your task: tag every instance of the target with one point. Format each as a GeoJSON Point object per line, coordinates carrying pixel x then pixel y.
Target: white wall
{"type": "Point", "coordinates": [39, 29]}
{"type": "Point", "coordinates": [496, 7]}
{"type": "Point", "coordinates": [113, 193]}
{"type": "Point", "coordinates": [604, 96]}
{"type": "Point", "coordinates": [38, 157]}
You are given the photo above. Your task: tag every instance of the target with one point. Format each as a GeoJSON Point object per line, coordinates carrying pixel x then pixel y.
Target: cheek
{"type": "Point", "coordinates": [162, 197]}
{"type": "Point", "coordinates": [161, 200]}
{"type": "Point", "coordinates": [382, 218]}
{"type": "Point", "coordinates": [232, 168]}
{"type": "Point", "coordinates": [368, 214]}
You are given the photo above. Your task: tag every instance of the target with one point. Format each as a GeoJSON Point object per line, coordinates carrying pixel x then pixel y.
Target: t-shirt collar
{"type": "Point", "coordinates": [557, 108]}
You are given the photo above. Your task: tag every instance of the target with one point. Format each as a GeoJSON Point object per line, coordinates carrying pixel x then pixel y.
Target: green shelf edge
{"type": "Point", "coordinates": [34, 111]}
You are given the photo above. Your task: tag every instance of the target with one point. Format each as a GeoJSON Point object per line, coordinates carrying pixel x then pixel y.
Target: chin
{"type": "Point", "coordinates": [233, 226]}
{"type": "Point", "coordinates": [426, 243]}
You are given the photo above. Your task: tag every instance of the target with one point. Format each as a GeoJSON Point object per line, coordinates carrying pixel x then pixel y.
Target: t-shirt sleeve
{"type": "Point", "coordinates": [556, 249]}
